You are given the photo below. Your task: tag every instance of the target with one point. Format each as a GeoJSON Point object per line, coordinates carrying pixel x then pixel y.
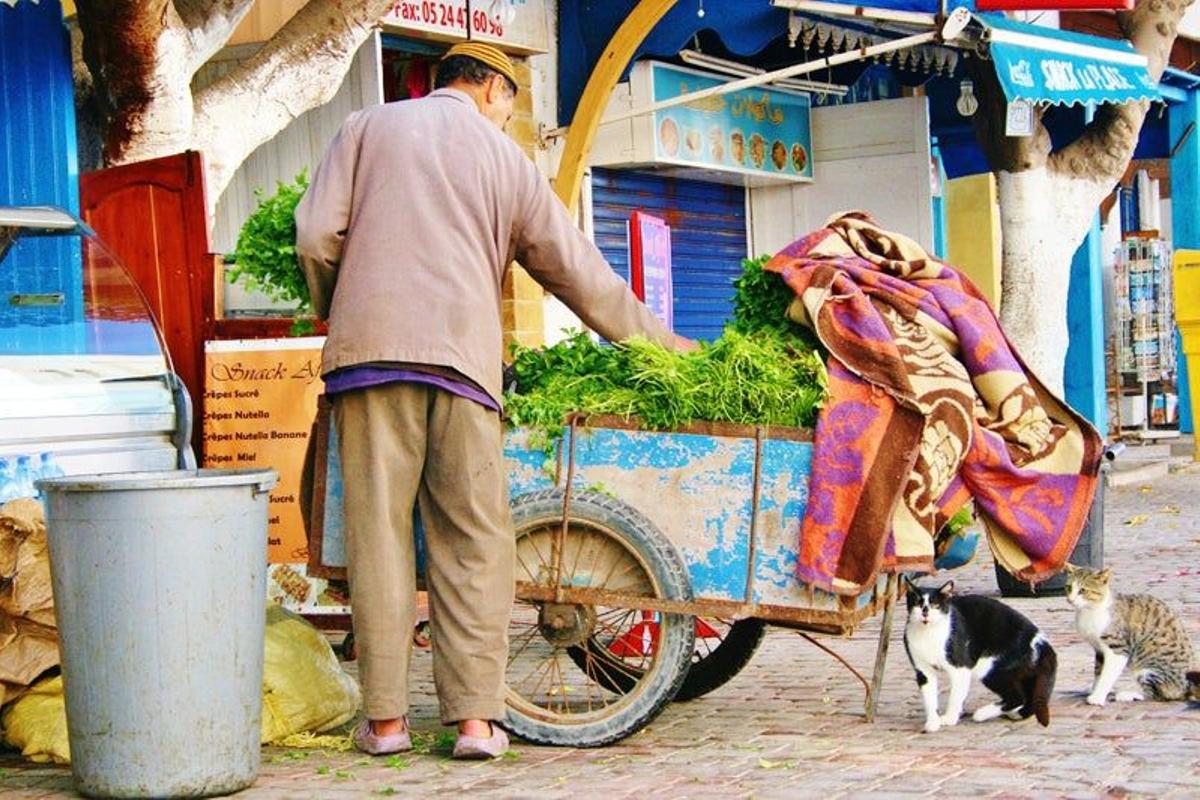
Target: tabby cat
{"type": "Point", "coordinates": [1137, 631]}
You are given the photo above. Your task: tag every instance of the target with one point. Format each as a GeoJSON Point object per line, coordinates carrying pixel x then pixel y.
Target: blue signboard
{"type": "Point", "coordinates": [650, 264]}
{"type": "Point", "coordinates": [755, 131]}
{"type": "Point", "coordinates": [1044, 65]}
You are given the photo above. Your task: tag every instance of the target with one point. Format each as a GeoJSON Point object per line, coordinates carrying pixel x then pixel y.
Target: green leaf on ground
{"type": "Point", "coordinates": [386, 790]}
{"type": "Point", "coordinates": [324, 769]}
{"type": "Point", "coordinates": [397, 762]}
{"type": "Point", "coordinates": [765, 764]}
{"type": "Point", "coordinates": [510, 755]}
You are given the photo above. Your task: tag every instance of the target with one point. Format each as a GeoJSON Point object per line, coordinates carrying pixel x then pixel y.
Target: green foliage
{"type": "Point", "coordinates": [766, 378]}
{"type": "Point", "coordinates": [761, 302]}
{"type": "Point", "coordinates": [959, 522]}
{"type": "Point", "coordinates": [266, 247]}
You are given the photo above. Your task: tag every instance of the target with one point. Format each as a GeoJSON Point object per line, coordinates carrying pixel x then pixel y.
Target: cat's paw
{"type": "Point", "coordinates": [933, 724]}
{"type": "Point", "coordinates": [987, 712]}
{"type": "Point", "coordinates": [1094, 699]}
{"type": "Point", "coordinates": [949, 720]}
{"type": "Point", "coordinates": [1130, 696]}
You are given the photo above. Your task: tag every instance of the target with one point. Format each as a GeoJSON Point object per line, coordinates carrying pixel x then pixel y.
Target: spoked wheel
{"type": "Point", "coordinates": [637, 666]}
{"type": "Point", "coordinates": [723, 647]}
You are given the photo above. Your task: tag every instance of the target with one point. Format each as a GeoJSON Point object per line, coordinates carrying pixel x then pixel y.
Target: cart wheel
{"type": "Point", "coordinates": [723, 648]}
{"type": "Point", "coordinates": [609, 547]}
{"type": "Point", "coordinates": [721, 652]}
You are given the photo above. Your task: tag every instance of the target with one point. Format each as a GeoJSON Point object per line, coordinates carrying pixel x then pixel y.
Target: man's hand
{"type": "Point", "coordinates": [685, 345]}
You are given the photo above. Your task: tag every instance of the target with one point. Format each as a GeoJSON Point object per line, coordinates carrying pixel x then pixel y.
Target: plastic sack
{"type": "Point", "coordinates": [304, 687]}
{"type": "Point", "coordinates": [36, 724]}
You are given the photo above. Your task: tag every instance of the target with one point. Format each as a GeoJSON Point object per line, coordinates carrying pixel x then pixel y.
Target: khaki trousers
{"type": "Point", "coordinates": [406, 442]}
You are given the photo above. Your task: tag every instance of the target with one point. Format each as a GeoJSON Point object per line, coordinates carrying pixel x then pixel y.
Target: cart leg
{"type": "Point", "coordinates": [881, 652]}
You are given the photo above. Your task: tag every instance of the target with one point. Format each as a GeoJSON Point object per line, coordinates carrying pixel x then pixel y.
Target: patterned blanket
{"type": "Point", "coordinates": [929, 405]}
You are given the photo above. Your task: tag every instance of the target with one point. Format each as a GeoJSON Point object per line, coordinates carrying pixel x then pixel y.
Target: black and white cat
{"type": "Point", "coordinates": [965, 636]}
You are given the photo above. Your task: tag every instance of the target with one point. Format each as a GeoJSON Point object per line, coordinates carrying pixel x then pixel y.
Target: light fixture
{"type": "Point", "coordinates": [967, 104]}
{"type": "Point", "coordinates": [700, 10]}
{"type": "Point", "coordinates": [739, 70]}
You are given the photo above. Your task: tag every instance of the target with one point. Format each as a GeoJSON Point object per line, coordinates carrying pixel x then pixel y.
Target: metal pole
{"type": "Point", "coordinates": [864, 12]}
{"type": "Point", "coordinates": [769, 77]}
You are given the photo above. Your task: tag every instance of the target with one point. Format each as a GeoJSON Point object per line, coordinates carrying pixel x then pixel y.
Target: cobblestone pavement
{"type": "Point", "coordinates": [791, 725]}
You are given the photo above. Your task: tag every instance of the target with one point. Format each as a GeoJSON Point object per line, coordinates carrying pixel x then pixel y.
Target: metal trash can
{"type": "Point", "coordinates": [160, 594]}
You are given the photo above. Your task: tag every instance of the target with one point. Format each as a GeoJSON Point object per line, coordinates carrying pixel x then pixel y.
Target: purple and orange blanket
{"type": "Point", "coordinates": [929, 406]}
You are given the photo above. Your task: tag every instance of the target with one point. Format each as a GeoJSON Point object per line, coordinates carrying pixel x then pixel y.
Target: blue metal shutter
{"type": "Point", "coordinates": [708, 239]}
{"type": "Point", "coordinates": [39, 166]}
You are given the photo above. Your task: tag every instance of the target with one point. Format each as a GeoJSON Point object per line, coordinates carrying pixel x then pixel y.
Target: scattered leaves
{"type": "Point", "coordinates": [510, 755]}
{"type": "Point", "coordinates": [397, 762]}
{"type": "Point", "coordinates": [1137, 519]}
{"type": "Point", "coordinates": [765, 764]}
{"type": "Point", "coordinates": [386, 790]}
{"type": "Point", "coordinates": [1169, 509]}
{"type": "Point", "coordinates": [324, 769]}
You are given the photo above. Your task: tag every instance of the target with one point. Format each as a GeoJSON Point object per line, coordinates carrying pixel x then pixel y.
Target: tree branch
{"type": "Point", "coordinates": [1106, 145]}
{"type": "Point", "coordinates": [300, 68]}
{"type": "Point", "coordinates": [210, 23]}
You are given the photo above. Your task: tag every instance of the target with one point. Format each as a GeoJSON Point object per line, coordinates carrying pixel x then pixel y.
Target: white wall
{"type": "Point", "coordinates": [869, 156]}
{"type": "Point", "coordinates": [301, 144]}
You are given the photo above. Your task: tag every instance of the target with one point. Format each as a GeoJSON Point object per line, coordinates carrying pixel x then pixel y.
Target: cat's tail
{"type": "Point", "coordinates": [1045, 670]}
{"type": "Point", "coordinates": [1193, 685]}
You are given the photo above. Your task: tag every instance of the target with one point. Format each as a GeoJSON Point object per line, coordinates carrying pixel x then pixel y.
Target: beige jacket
{"type": "Point", "coordinates": [410, 223]}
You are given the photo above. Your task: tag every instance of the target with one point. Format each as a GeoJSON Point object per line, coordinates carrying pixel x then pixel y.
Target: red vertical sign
{"type": "Point", "coordinates": [650, 264]}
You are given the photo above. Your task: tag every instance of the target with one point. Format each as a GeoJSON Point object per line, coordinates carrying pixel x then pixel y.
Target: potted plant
{"type": "Point", "coordinates": [265, 258]}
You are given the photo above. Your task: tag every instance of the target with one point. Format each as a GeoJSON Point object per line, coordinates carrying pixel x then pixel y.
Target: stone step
{"type": "Point", "coordinates": [1144, 452]}
{"type": "Point", "coordinates": [1135, 474]}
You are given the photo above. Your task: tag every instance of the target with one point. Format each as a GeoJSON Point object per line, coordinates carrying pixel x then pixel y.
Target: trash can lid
{"type": "Point", "coordinates": [164, 479]}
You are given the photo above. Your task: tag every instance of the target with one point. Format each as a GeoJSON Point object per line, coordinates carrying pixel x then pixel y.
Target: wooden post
{"type": "Point", "coordinates": [885, 638]}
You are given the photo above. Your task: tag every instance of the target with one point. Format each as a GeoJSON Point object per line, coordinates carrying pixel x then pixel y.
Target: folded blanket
{"type": "Point", "coordinates": [929, 405]}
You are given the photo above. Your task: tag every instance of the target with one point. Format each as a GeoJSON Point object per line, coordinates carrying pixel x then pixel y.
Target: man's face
{"type": "Point", "coordinates": [498, 101]}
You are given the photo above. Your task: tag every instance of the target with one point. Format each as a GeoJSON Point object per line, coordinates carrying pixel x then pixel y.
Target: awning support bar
{"type": "Point", "coordinates": [767, 77]}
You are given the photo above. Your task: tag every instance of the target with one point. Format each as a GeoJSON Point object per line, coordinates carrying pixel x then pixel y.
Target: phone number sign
{"type": "Point", "coordinates": [518, 25]}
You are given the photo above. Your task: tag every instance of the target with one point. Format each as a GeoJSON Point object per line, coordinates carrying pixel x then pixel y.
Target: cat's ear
{"type": "Point", "coordinates": [946, 589]}
{"type": "Point", "coordinates": [1104, 574]}
{"type": "Point", "coordinates": [1071, 568]}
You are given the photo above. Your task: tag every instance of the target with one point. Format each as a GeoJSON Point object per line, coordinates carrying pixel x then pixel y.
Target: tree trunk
{"type": "Point", "coordinates": [1048, 200]}
{"type": "Point", "coordinates": [1043, 218]}
{"type": "Point", "coordinates": [142, 55]}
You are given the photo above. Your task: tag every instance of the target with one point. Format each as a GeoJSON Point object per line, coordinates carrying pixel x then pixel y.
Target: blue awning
{"type": "Point", "coordinates": [1047, 65]}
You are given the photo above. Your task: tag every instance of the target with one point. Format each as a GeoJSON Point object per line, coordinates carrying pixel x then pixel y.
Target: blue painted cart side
{"type": "Point", "coordinates": [698, 488]}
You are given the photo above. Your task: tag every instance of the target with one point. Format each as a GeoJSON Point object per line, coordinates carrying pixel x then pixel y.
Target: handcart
{"type": "Point", "coordinates": [648, 566]}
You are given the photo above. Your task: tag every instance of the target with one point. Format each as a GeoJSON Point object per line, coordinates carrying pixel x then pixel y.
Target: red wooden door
{"type": "Point", "coordinates": [152, 214]}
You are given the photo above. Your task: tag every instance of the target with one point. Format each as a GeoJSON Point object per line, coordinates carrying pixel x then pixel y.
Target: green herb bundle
{"type": "Point", "coordinates": [266, 247]}
{"type": "Point", "coordinates": [762, 378]}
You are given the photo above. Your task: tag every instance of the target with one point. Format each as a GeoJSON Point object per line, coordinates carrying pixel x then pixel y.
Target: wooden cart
{"type": "Point", "coordinates": [648, 565]}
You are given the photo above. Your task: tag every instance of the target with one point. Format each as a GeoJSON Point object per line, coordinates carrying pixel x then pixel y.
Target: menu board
{"type": "Point", "coordinates": [650, 264]}
{"type": "Point", "coordinates": [755, 131]}
{"type": "Point", "coordinates": [260, 401]}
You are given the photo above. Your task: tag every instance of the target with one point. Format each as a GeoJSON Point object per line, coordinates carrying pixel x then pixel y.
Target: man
{"type": "Point", "coordinates": [405, 235]}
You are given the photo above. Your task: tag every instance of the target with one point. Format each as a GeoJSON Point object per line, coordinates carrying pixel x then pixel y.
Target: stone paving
{"type": "Point", "coordinates": [791, 725]}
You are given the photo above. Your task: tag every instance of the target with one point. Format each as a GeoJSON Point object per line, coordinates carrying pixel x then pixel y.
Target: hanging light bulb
{"type": "Point", "coordinates": [700, 10]}
{"type": "Point", "coordinates": [967, 104]}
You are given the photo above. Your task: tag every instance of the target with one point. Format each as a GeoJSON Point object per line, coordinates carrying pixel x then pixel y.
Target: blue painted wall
{"type": "Point", "coordinates": [38, 166]}
{"type": "Point", "coordinates": [1084, 373]}
{"type": "Point", "coordinates": [1185, 214]}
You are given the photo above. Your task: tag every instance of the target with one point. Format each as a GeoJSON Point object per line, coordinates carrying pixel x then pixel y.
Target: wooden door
{"type": "Point", "coordinates": [152, 214]}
